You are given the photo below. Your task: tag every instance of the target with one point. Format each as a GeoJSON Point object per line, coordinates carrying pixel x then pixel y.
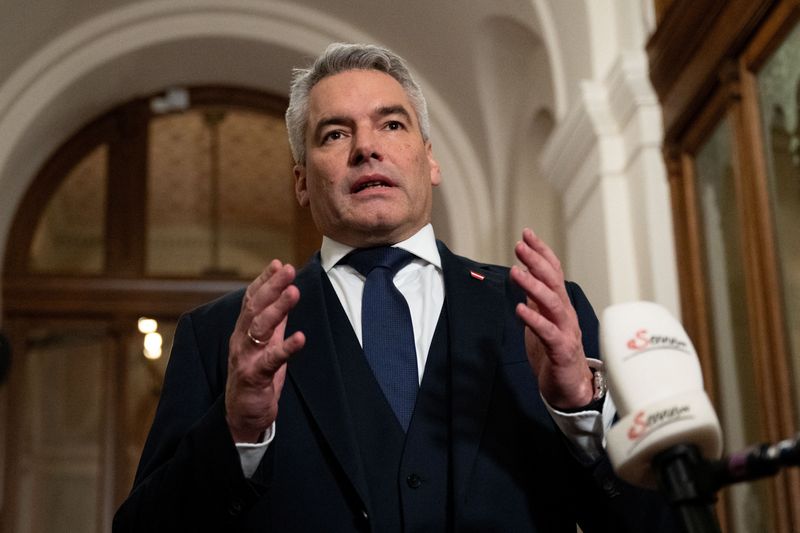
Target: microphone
{"type": "Point", "coordinates": [667, 427]}
{"type": "Point", "coordinates": [655, 381]}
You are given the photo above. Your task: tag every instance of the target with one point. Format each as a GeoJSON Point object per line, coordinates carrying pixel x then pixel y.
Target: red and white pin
{"type": "Point", "coordinates": [477, 275]}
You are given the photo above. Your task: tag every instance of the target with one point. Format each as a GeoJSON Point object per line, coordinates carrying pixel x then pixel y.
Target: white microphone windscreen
{"type": "Point", "coordinates": [656, 382]}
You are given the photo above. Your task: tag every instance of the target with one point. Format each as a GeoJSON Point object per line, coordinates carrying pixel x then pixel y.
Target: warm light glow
{"type": "Point", "coordinates": [152, 341]}
{"type": "Point", "coordinates": [152, 345]}
{"type": "Point", "coordinates": [152, 354]}
{"type": "Point", "coordinates": [147, 325]}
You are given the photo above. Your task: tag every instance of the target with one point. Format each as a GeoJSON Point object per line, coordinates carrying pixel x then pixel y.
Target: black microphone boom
{"type": "Point", "coordinates": [756, 462]}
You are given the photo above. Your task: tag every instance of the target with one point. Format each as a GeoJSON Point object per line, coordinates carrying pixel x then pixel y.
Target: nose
{"type": "Point", "coordinates": [366, 146]}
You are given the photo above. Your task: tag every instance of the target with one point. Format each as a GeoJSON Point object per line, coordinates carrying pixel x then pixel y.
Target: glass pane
{"type": "Point", "coordinates": [60, 436]}
{"type": "Point", "coordinates": [737, 395]}
{"type": "Point", "coordinates": [779, 87]}
{"type": "Point", "coordinates": [220, 193]}
{"type": "Point", "coordinates": [71, 233]}
{"type": "Point", "coordinates": [144, 377]}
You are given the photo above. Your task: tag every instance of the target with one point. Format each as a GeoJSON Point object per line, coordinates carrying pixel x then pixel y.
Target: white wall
{"type": "Point", "coordinates": [604, 158]}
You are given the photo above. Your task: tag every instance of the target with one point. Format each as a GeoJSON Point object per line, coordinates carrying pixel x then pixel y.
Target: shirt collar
{"type": "Point", "coordinates": [422, 244]}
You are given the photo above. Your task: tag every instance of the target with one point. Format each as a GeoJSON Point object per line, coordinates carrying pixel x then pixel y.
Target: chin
{"type": "Point", "coordinates": [378, 234]}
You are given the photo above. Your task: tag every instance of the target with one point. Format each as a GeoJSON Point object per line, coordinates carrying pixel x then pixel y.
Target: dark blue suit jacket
{"type": "Point", "coordinates": [511, 468]}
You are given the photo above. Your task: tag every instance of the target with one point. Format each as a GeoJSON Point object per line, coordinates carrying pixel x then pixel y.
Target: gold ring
{"type": "Point", "coordinates": [255, 341]}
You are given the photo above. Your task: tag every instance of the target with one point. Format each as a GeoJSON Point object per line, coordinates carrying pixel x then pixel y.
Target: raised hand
{"type": "Point", "coordinates": [552, 336]}
{"type": "Point", "coordinates": [257, 352]}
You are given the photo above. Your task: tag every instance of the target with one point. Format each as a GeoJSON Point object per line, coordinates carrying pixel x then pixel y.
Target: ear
{"type": "Point", "coordinates": [300, 185]}
{"type": "Point", "coordinates": [436, 173]}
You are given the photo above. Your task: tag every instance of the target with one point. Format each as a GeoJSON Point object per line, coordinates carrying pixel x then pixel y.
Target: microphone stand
{"type": "Point", "coordinates": [688, 482]}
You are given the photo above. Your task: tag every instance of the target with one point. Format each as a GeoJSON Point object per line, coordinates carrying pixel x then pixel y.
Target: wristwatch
{"type": "Point", "coordinates": [600, 388]}
{"type": "Point", "coordinates": [598, 378]}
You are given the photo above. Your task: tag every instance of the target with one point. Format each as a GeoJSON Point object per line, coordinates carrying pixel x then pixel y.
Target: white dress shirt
{"type": "Point", "coordinates": [422, 284]}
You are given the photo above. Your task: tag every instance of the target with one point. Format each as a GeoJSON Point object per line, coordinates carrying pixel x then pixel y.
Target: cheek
{"type": "Point", "coordinates": [326, 173]}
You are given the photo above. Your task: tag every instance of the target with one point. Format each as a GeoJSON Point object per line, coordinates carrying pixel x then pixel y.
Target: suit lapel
{"type": "Point", "coordinates": [474, 299]}
{"type": "Point", "coordinates": [316, 374]}
{"type": "Point", "coordinates": [475, 322]}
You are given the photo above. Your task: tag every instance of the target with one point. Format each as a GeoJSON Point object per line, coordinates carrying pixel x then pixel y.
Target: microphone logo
{"type": "Point", "coordinates": [644, 424]}
{"type": "Point", "coordinates": [642, 341]}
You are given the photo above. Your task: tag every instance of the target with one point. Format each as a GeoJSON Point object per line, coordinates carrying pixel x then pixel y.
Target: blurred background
{"type": "Point", "coordinates": [144, 170]}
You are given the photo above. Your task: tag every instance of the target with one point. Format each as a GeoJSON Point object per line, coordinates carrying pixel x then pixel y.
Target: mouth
{"type": "Point", "coordinates": [371, 182]}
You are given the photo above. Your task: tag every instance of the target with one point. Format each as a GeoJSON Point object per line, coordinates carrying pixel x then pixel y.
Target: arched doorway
{"type": "Point", "coordinates": [155, 207]}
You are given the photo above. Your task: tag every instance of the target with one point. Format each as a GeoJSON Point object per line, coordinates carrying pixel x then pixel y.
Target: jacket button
{"type": "Point", "coordinates": [364, 514]}
{"type": "Point", "coordinates": [610, 488]}
{"type": "Point", "coordinates": [235, 508]}
{"type": "Point", "coordinates": [414, 481]}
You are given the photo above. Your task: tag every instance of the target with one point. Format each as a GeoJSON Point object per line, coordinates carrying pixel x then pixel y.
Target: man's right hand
{"type": "Point", "coordinates": [257, 370]}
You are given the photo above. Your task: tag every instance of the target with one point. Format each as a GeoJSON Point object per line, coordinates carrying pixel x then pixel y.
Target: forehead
{"type": "Point", "coordinates": [355, 91]}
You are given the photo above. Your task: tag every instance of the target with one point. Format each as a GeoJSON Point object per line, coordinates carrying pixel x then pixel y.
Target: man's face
{"type": "Point", "coordinates": [368, 174]}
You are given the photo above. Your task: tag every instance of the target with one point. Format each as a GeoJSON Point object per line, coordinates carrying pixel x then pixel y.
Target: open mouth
{"type": "Point", "coordinates": [370, 182]}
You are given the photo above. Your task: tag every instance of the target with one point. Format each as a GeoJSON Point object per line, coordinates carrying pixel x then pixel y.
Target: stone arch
{"type": "Point", "coordinates": [151, 45]}
{"type": "Point", "coordinates": [513, 60]}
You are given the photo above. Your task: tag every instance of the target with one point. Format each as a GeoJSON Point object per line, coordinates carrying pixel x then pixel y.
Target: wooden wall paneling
{"type": "Point", "coordinates": [780, 22]}
{"type": "Point", "coordinates": [239, 97]}
{"type": "Point", "coordinates": [116, 295]}
{"type": "Point", "coordinates": [126, 228]}
{"type": "Point", "coordinates": [772, 353]}
{"type": "Point", "coordinates": [117, 487]}
{"type": "Point", "coordinates": [661, 8]}
{"type": "Point", "coordinates": [17, 334]}
{"type": "Point", "coordinates": [751, 237]}
{"type": "Point", "coordinates": [102, 297]}
{"type": "Point", "coordinates": [691, 272]}
{"type": "Point", "coordinates": [775, 342]}
{"type": "Point", "coordinates": [688, 47]}
{"type": "Point", "coordinates": [702, 49]}
{"type": "Point", "coordinates": [689, 239]}
{"type": "Point", "coordinates": [691, 269]}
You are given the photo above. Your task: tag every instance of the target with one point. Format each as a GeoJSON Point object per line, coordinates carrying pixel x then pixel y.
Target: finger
{"type": "Point", "coordinates": [248, 309]}
{"type": "Point", "coordinates": [273, 287]}
{"type": "Point", "coordinates": [537, 265]}
{"type": "Point", "coordinates": [561, 347]}
{"type": "Point", "coordinates": [265, 295]}
{"type": "Point", "coordinates": [546, 300]}
{"type": "Point", "coordinates": [547, 332]}
{"type": "Point", "coordinates": [262, 278]}
{"type": "Point", "coordinates": [266, 322]}
{"type": "Point", "coordinates": [275, 358]}
{"type": "Point", "coordinates": [541, 247]}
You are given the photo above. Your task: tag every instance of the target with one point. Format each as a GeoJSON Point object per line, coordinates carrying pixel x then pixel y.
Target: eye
{"type": "Point", "coordinates": [333, 135]}
{"type": "Point", "coordinates": [394, 125]}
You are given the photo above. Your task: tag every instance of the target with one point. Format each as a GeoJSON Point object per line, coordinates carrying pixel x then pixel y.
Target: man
{"type": "Point", "coordinates": [274, 418]}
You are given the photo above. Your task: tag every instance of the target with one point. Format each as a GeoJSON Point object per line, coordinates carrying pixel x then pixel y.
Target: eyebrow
{"type": "Point", "coordinates": [393, 110]}
{"type": "Point", "coordinates": [383, 111]}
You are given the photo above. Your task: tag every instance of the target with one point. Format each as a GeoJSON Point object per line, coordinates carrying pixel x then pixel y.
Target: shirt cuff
{"type": "Point", "coordinates": [585, 430]}
{"type": "Point", "coordinates": [251, 453]}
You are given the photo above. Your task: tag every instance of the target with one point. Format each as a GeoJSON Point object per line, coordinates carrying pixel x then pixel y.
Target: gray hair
{"type": "Point", "coordinates": [340, 57]}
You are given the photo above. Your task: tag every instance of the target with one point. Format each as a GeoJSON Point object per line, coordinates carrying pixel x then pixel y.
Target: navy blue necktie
{"type": "Point", "coordinates": [387, 333]}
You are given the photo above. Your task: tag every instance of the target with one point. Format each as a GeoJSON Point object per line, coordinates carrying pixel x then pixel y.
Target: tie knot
{"type": "Point", "coordinates": [366, 259]}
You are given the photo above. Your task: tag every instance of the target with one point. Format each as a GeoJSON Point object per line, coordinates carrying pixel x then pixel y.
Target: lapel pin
{"type": "Point", "coordinates": [479, 277]}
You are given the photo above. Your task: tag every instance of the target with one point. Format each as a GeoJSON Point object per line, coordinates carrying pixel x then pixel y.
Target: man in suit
{"type": "Point", "coordinates": [274, 414]}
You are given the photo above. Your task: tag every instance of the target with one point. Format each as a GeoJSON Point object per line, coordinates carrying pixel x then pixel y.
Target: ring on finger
{"type": "Point", "coordinates": [255, 341]}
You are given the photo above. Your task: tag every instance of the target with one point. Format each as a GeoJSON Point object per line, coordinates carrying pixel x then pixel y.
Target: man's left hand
{"type": "Point", "coordinates": [552, 336]}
